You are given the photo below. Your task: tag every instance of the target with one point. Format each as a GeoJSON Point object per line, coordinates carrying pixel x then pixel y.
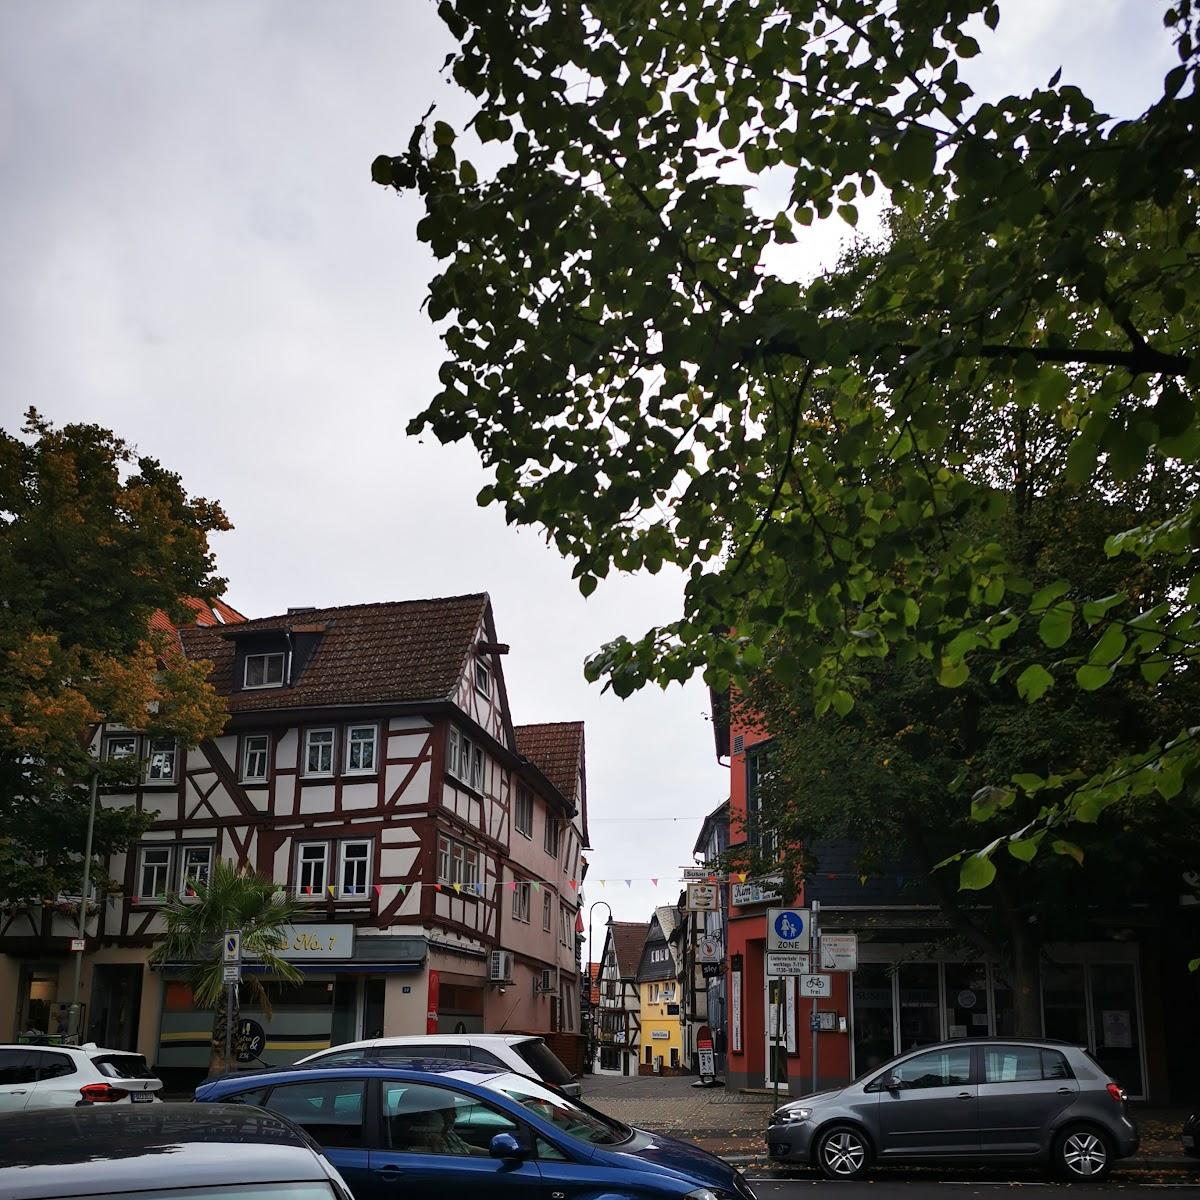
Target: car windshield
{"type": "Point", "coordinates": [543, 1062]}
{"type": "Point", "coordinates": [567, 1116]}
{"type": "Point", "coordinates": [123, 1066]}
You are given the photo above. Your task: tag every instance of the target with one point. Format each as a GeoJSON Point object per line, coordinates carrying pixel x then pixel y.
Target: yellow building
{"type": "Point", "coordinates": [660, 998]}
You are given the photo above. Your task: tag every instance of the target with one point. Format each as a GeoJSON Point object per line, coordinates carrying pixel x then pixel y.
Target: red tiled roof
{"type": "Point", "coordinates": [628, 937]}
{"type": "Point", "coordinates": [205, 612]}
{"type": "Point", "coordinates": [554, 747]}
{"type": "Point", "coordinates": [404, 650]}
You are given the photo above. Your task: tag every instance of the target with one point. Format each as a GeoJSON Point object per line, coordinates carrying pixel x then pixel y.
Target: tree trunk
{"type": "Point", "coordinates": [216, 1056]}
{"type": "Point", "coordinates": [1026, 980]}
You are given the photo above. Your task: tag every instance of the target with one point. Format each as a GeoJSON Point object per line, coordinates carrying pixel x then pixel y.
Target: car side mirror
{"type": "Point", "coordinates": [893, 1083]}
{"type": "Point", "coordinates": [506, 1146]}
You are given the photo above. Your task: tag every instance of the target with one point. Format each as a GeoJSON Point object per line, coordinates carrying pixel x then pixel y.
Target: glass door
{"type": "Point", "coordinates": [1116, 1023]}
{"type": "Point", "coordinates": [780, 1027]}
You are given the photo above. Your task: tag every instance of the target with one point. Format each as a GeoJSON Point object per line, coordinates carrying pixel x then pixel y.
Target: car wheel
{"type": "Point", "coordinates": [1083, 1152]}
{"type": "Point", "coordinates": [843, 1152]}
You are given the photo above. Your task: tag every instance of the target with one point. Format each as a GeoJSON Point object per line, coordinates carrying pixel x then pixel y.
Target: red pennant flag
{"type": "Point", "coordinates": [574, 884]}
{"type": "Point", "coordinates": [654, 881]}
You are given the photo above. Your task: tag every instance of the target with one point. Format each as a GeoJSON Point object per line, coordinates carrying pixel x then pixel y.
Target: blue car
{"type": "Point", "coordinates": [474, 1132]}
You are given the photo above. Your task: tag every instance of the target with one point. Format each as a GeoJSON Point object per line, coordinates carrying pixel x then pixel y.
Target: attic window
{"type": "Point", "coordinates": [263, 670]}
{"type": "Point", "coordinates": [483, 677]}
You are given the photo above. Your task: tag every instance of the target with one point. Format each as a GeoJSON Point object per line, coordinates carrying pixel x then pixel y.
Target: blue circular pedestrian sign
{"type": "Point", "coordinates": [789, 926]}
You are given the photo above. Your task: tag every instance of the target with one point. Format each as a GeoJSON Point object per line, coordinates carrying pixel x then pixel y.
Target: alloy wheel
{"type": "Point", "coordinates": [843, 1152]}
{"type": "Point", "coordinates": [1084, 1154]}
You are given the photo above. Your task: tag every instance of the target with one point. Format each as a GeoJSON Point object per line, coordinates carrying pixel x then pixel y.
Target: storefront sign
{"type": "Point", "coordinates": [839, 952]}
{"type": "Point", "coordinates": [250, 1040]}
{"type": "Point", "coordinates": [659, 1035]}
{"type": "Point", "coordinates": [312, 943]}
{"type": "Point", "coordinates": [735, 1010]}
{"type": "Point", "coordinates": [709, 950]}
{"type": "Point", "coordinates": [704, 897]}
{"type": "Point", "coordinates": [713, 970]}
{"type": "Point", "coordinates": [695, 874]}
{"type": "Point", "coordinates": [758, 891]}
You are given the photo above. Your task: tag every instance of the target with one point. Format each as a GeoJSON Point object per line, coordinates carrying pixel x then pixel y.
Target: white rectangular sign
{"type": "Point", "coordinates": [231, 973]}
{"type": "Point", "coordinates": [839, 952]}
{"type": "Point", "coordinates": [231, 949]}
{"type": "Point", "coordinates": [787, 964]}
{"type": "Point", "coordinates": [695, 874]}
{"type": "Point", "coordinates": [659, 1035]}
{"type": "Point", "coordinates": [787, 929]}
{"type": "Point", "coordinates": [816, 985]}
{"type": "Point", "coordinates": [315, 942]}
{"type": "Point", "coordinates": [704, 897]}
{"type": "Point", "coordinates": [760, 891]}
{"type": "Point", "coordinates": [709, 950]}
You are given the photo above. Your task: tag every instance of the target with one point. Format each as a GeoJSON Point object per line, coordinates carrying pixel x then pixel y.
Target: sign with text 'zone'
{"type": "Point", "coordinates": [787, 929]}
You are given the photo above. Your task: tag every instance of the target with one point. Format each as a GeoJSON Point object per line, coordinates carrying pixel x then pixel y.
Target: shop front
{"type": "Point", "coordinates": [344, 995]}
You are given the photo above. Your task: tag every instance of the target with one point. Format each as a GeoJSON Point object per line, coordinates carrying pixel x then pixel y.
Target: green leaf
{"type": "Point", "coordinates": [587, 584]}
{"type": "Point", "coordinates": [443, 134]}
{"type": "Point", "coordinates": [1055, 627]}
{"type": "Point", "coordinates": [953, 673]}
{"type": "Point", "coordinates": [1091, 677]}
{"type": "Point", "coordinates": [1110, 647]}
{"type": "Point", "coordinates": [915, 155]}
{"type": "Point", "coordinates": [989, 800]}
{"type": "Point", "coordinates": [1034, 682]}
{"type": "Point", "coordinates": [1048, 595]}
{"type": "Point", "coordinates": [1029, 783]}
{"type": "Point", "coordinates": [843, 702]}
{"type": "Point", "coordinates": [1069, 849]}
{"type": "Point", "coordinates": [977, 872]}
{"type": "Point", "coordinates": [1154, 669]}
{"type": "Point", "coordinates": [1025, 849]}
{"type": "Point", "coordinates": [730, 134]}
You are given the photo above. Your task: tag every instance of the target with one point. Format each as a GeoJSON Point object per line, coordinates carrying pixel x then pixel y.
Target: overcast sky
{"type": "Point", "coordinates": [192, 253]}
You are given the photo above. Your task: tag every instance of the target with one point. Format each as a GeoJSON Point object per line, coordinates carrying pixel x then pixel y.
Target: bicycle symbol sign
{"type": "Point", "coordinates": [787, 929]}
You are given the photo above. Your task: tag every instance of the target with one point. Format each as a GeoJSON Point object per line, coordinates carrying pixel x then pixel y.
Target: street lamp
{"type": "Point", "coordinates": [591, 944]}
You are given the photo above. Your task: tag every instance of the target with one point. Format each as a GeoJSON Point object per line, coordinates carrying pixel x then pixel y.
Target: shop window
{"type": "Point", "coordinates": [1064, 1003]}
{"type": "Point", "coordinates": [874, 1013]}
{"type": "Point", "coordinates": [966, 992]}
{"type": "Point", "coordinates": [920, 1017]}
{"type": "Point", "coordinates": [1116, 1022]}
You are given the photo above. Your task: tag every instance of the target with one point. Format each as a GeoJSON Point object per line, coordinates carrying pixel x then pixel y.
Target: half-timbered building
{"type": "Point", "coordinates": [371, 767]}
{"type": "Point", "coordinates": [618, 1029]}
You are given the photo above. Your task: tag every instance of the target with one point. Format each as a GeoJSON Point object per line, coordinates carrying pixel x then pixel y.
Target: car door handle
{"type": "Point", "coordinates": [390, 1171]}
{"type": "Point", "coordinates": [964, 1095]}
{"type": "Point", "coordinates": [1064, 1091]}
{"type": "Point", "coordinates": [16, 1092]}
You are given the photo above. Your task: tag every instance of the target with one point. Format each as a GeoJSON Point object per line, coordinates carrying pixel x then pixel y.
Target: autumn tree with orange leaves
{"type": "Point", "coordinates": [94, 538]}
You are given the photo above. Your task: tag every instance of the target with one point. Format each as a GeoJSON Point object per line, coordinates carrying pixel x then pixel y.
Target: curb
{"type": "Point", "coordinates": [1140, 1162]}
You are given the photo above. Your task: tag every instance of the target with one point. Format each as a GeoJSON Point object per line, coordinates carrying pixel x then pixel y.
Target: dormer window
{"type": "Point", "coordinates": [263, 670]}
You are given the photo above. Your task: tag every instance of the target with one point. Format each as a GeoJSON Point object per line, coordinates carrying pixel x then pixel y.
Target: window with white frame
{"type": "Point", "coordinates": [564, 925]}
{"type": "Point", "coordinates": [195, 867]}
{"type": "Point", "coordinates": [119, 747]}
{"type": "Point", "coordinates": [477, 768]}
{"type": "Point", "coordinates": [457, 863]}
{"type": "Point", "coordinates": [361, 743]}
{"type": "Point", "coordinates": [483, 677]}
{"type": "Point", "coordinates": [162, 756]}
{"type": "Point", "coordinates": [464, 758]}
{"type": "Point", "coordinates": [256, 749]}
{"type": "Point", "coordinates": [263, 670]}
{"type": "Point", "coordinates": [553, 836]}
{"type": "Point", "coordinates": [355, 870]}
{"type": "Point", "coordinates": [520, 907]}
{"type": "Point", "coordinates": [154, 872]}
{"type": "Point", "coordinates": [659, 954]}
{"type": "Point", "coordinates": [312, 868]}
{"type": "Point", "coordinates": [523, 816]}
{"type": "Point", "coordinates": [318, 752]}
{"type": "Point", "coordinates": [547, 906]}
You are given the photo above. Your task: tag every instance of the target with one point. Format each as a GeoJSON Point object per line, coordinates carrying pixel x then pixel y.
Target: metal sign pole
{"type": "Point", "coordinates": [813, 1022]}
{"type": "Point", "coordinates": [779, 1007]}
{"type": "Point", "coordinates": [229, 1024]}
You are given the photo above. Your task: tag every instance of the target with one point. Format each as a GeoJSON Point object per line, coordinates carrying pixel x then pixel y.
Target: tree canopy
{"type": "Point", "coordinates": [94, 539]}
{"type": "Point", "coordinates": [647, 381]}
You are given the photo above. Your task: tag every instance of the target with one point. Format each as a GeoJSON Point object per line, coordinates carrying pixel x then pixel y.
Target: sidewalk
{"type": "Point", "coordinates": [733, 1123]}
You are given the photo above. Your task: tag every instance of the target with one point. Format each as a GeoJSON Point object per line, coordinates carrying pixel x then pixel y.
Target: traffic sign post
{"type": "Point", "coordinates": [231, 974]}
{"type": "Point", "coordinates": [839, 952]}
{"type": "Point", "coordinates": [815, 934]}
{"type": "Point", "coordinates": [816, 985]}
{"type": "Point", "coordinates": [788, 929]}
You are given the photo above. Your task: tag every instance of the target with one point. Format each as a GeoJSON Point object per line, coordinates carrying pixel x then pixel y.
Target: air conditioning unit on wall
{"type": "Point", "coordinates": [500, 966]}
{"type": "Point", "coordinates": [545, 981]}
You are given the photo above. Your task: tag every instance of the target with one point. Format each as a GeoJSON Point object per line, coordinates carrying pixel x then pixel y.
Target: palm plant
{"type": "Point", "coordinates": [230, 899]}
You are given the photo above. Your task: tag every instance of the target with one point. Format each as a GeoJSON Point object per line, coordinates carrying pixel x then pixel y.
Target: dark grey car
{"type": "Point", "coordinates": [993, 1100]}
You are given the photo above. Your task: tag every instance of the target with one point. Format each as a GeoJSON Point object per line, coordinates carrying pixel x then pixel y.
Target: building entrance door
{"type": "Point", "coordinates": [780, 1027]}
{"type": "Point", "coordinates": [116, 1005]}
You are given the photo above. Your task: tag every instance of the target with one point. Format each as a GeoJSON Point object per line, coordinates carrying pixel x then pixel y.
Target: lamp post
{"type": "Point", "coordinates": [73, 1025]}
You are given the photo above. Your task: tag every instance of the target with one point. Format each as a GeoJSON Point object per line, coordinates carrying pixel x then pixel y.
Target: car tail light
{"type": "Point", "coordinates": [1117, 1092]}
{"type": "Point", "coordinates": [101, 1093]}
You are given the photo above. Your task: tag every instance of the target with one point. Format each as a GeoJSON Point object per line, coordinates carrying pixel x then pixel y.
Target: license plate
{"type": "Point", "coordinates": [142, 1097]}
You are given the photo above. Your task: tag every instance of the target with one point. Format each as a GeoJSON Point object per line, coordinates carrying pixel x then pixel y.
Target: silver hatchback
{"type": "Point", "coordinates": [993, 1100]}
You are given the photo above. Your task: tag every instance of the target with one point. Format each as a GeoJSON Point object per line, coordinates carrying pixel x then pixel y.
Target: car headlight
{"type": "Point", "coordinates": [790, 1116]}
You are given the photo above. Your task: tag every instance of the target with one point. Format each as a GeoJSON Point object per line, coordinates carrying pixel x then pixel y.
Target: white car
{"type": "Point", "coordinates": [523, 1053]}
{"type": "Point", "coordinates": [66, 1076]}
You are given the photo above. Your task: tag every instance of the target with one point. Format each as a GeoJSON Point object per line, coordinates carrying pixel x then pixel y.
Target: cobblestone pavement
{"type": "Point", "coordinates": [669, 1104]}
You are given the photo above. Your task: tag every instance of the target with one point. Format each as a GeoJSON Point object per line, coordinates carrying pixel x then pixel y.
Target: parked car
{"type": "Point", "coordinates": [163, 1152]}
{"type": "Point", "coordinates": [475, 1132]}
{"type": "Point", "coordinates": [1190, 1135]}
{"type": "Point", "coordinates": [64, 1076]}
{"type": "Point", "coordinates": [993, 1100]}
{"type": "Point", "coordinates": [524, 1053]}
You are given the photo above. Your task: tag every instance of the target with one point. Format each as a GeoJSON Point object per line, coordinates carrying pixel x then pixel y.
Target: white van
{"type": "Point", "coordinates": [524, 1053]}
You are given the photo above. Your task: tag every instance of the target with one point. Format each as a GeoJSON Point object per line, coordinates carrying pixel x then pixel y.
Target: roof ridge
{"type": "Point", "coordinates": [309, 611]}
